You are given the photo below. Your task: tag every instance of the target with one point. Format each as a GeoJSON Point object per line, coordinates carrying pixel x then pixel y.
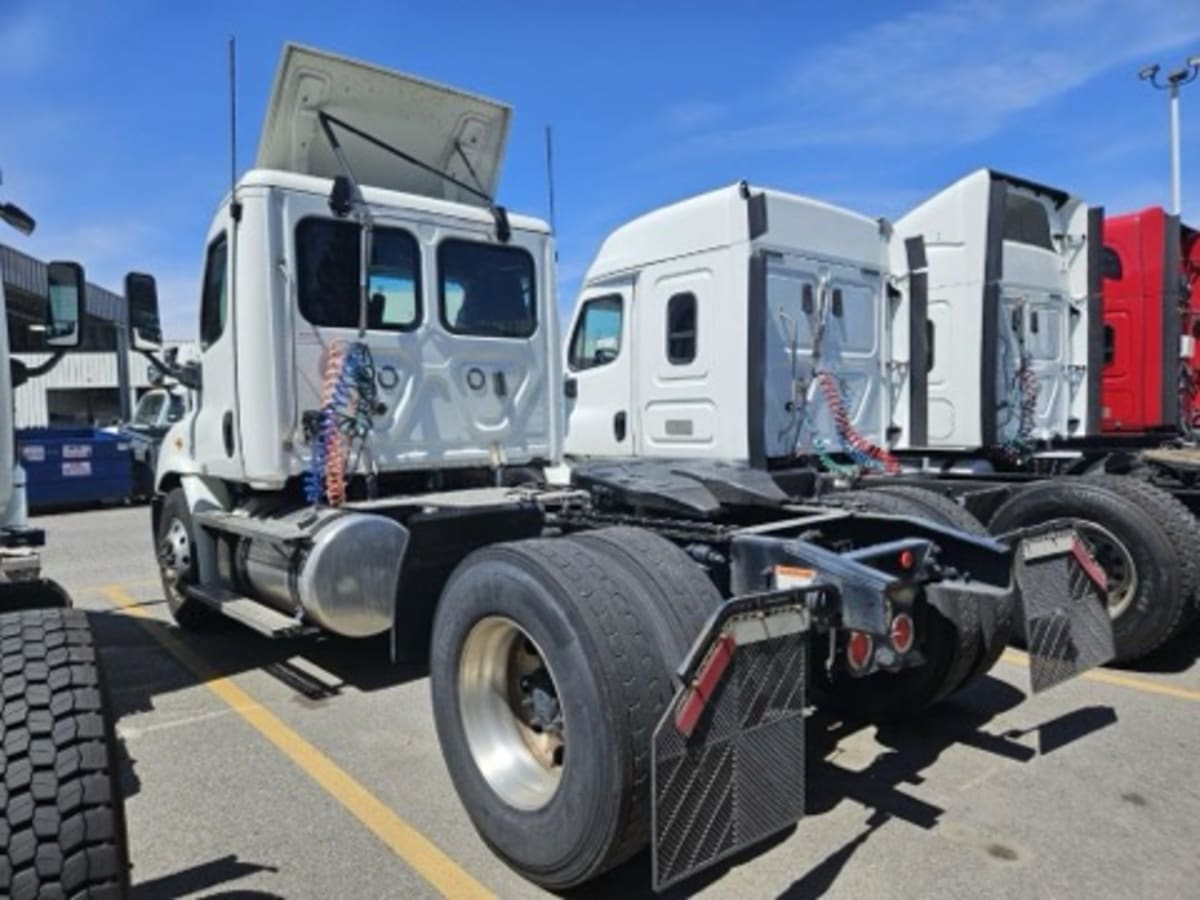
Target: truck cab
{"type": "Point", "coordinates": [742, 324]}
{"type": "Point", "coordinates": [1013, 312]}
{"type": "Point", "coordinates": [1151, 316]}
{"type": "Point", "coordinates": [459, 327]}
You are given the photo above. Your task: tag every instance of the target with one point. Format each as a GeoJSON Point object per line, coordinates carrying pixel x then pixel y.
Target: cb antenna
{"type": "Point", "coordinates": [550, 177]}
{"type": "Point", "coordinates": [235, 207]}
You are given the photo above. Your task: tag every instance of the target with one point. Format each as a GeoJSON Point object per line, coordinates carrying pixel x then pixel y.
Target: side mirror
{"type": "Point", "coordinates": [141, 297]}
{"type": "Point", "coordinates": [66, 289]}
{"type": "Point", "coordinates": [17, 218]}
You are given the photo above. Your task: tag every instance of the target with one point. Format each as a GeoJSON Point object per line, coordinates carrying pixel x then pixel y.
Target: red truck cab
{"type": "Point", "coordinates": [1151, 267]}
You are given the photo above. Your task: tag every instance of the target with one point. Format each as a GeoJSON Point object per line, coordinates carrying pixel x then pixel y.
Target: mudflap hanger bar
{"type": "Point", "coordinates": [863, 592]}
{"type": "Point", "coordinates": [1063, 593]}
{"type": "Point", "coordinates": [727, 758]}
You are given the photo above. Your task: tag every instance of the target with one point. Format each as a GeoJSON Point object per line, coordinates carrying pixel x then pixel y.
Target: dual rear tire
{"type": "Point", "coordinates": [551, 670]}
{"type": "Point", "coordinates": [1147, 542]}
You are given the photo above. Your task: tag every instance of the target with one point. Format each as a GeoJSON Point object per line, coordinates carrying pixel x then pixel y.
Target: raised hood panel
{"type": "Point", "coordinates": [421, 118]}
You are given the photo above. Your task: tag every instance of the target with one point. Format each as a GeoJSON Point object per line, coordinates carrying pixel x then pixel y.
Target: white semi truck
{"type": "Point", "coordinates": [956, 350]}
{"type": "Point", "coordinates": [621, 661]}
{"type": "Point", "coordinates": [62, 826]}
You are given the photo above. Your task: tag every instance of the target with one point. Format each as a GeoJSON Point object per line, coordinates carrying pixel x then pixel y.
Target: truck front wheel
{"type": "Point", "coordinates": [547, 683]}
{"type": "Point", "coordinates": [177, 564]}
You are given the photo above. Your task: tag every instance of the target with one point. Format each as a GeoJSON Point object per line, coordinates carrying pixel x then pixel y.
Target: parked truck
{"type": "Point", "coordinates": [62, 832]}
{"type": "Point", "coordinates": [380, 386]}
{"type": "Point", "coordinates": [947, 364]}
{"type": "Point", "coordinates": [1151, 269]}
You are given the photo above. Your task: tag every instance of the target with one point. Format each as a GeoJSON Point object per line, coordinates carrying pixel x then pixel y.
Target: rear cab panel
{"type": "Point", "coordinates": [826, 316]}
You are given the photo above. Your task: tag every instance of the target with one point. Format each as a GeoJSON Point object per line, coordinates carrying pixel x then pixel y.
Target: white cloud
{"type": "Point", "coordinates": [950, 75]}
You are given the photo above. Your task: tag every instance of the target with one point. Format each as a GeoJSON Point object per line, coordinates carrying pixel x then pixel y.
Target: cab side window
{"type": "Point", "coordinates": [597, 337]}
{"type": "Point", "coordinates": [681, 329]}
{"type": "Point", "coordinates": [214, 299]}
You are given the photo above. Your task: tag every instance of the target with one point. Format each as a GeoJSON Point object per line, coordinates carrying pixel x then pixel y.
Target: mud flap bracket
{"type": "Point", "coordinates": [727, 760]}
{"type": "Point", "coordinates": [1063, 593]}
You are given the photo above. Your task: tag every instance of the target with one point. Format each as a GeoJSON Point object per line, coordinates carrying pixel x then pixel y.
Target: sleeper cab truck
{"type": "Point", "coordinates": [1151, 270]}
{"type": "Point", "coordinates": [380, 361]}
{"type": "Point", "coordinates": [1015, 312]}
{"type": "Point", "coordinates": [62, 826]}
{"type": "Point", "coordinates": [852, 347]}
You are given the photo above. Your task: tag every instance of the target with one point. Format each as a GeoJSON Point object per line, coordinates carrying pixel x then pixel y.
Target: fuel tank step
{"type": "Point", "coordinates": [251, 613]}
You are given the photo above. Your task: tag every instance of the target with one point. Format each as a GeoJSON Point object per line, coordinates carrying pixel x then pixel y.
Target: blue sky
{"type": "Point", "coordinates": [114, 115]}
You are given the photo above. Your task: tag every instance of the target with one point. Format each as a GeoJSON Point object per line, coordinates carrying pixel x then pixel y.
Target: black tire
{"type": "Point", "coordinates": [675, 583]}
{"type": "Point", "coordinates": [63, 833]}
{"type": "Point", "coordinates": [38, 593]}
{"type": "Point", "coordinates": [948, 637]}
{"type": "Point", "coordinates": [1181, 526]}
{"type": "Point", "coordinates": [597, 640]}
{"type": "Point", "coordinates": [188, 613]}
{"type": "Point", "coordinates": [998, 621]}
{"type": "Point", "coordinates": [1138, 521]}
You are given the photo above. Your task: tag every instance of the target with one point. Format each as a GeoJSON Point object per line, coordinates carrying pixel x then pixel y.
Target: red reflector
{"type": "Point", "coordinates": [1088, 563]}
{"type": "Point", "coordinates": [858, 650]}
{"type": "Point", "coordinates": [907, 559]}
{"type": "Point", "coordinates": [902, 632]}
{"type": "Point", "coordinates": [707, 677]}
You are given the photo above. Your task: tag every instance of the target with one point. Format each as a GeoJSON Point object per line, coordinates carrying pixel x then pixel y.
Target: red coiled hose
{"type": "Point", "coordinates": [847, 431]}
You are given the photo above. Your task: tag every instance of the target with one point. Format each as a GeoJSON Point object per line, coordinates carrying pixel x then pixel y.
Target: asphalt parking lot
{"type": "Point", "coordinates": [310, 768]}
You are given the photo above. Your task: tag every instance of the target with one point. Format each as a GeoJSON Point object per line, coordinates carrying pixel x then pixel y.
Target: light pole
{"type": "Point", "coordinates": [1173, 81]}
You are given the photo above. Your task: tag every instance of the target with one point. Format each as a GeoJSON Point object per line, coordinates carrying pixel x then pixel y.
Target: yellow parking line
{"type": "Point", "coordinates": [1128, 681]}
{"type": "Point", "coordinates": [443, 873]}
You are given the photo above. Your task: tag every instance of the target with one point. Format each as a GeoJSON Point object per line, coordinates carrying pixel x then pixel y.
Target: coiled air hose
{"type": "Point", "coordinates": [347, 405]}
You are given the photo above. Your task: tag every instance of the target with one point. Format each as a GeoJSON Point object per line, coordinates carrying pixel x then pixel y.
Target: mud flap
{"type": "Point", "coordinates": [1064, 602]}
{"type": "Point", "coordinates": [727, 765]}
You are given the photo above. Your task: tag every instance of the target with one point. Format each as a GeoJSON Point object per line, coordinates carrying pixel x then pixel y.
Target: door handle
{"type": "Point", "coordinates": [227, 432]}
{"type": "Point", "coordinates": [619, 426]}
{"type": "Point", "coordinates": [570, 388]}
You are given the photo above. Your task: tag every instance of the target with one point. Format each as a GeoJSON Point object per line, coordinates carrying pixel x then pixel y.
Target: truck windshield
{"type": "Point", "coordinates": [486, 289]}
{"type": "Point", "coordinates": [148, 409]}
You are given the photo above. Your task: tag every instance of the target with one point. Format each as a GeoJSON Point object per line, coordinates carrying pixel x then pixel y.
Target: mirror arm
{"type": "Point", "coordinates": [21, 372]}
{"type": "Point", "coordinates": [186, 375]}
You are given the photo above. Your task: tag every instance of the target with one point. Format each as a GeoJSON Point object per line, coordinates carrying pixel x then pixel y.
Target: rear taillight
{"type": "Point", "coordinates": [903, 632]}
{"type": "Point", "coordinates": [859, 647]}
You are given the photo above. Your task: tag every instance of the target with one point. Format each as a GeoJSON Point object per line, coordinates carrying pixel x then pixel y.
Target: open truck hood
{"type": "Point", "coordinates": [423, 119]}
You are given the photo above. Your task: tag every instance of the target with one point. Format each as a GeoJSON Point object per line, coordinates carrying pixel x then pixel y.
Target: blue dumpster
{"type": "Point", "coordinates": [74, 466]}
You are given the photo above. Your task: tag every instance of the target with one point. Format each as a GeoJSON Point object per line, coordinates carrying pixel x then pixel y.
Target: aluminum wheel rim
{"type": "Point", "coordinates": [175, 552]}
{"type": "Point", "coordinates": [1116, 560]}
{"type": "Point", "coordinates": [508, 701]}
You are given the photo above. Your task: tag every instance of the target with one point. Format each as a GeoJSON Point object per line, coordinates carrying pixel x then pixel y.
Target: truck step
{"type": "Point", "coordinates": [245, 526]}
{"type": "Point", "coordinates": [254, 615]}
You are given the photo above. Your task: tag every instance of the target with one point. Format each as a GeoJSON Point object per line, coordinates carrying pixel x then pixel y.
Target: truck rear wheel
{"type": "Point", "coordinates": [547, 683]}
{"type": "Point", "coordinates": [177, 564]}
{"type": "Point", "coordinates": [948, 638]}
{"type": "Point", "coordinates": [1182, 528]}
{"type": "Point", "coordinates": [1127, 525]}
{"type": "Point", "coordinates": [63, 830]}
{"type": "Point", "coordinates": [998, 623]}
{"type": "Point", "coordinates": [666, 576]}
